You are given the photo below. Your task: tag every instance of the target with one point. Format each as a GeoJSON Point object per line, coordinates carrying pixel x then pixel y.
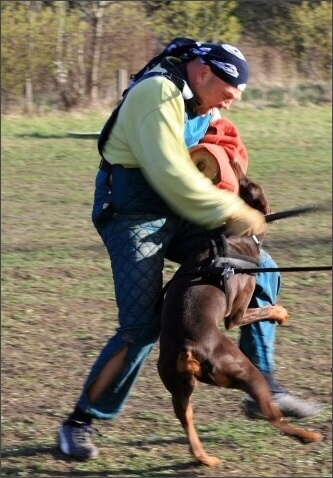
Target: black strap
{"type": "Point", "coordinates": [221, 257]}
{"type": "Point", "coordinates": [105, 166]}
{"type": "Point", "coordinates": [249, 270]}
{"type": "Point", "coordinates": [179, 47]}
{"type": "Point", "coordinates": [104, 134]}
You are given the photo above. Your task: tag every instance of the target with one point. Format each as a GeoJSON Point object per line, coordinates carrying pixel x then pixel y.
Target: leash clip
{"type": "Point", "coordinates": [228, 270]}
{"type": "Point", "coordinates": [256, 240]}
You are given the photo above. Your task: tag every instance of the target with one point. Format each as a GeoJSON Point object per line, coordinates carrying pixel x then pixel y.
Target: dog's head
{"type": "Point", "coordinates": [250, 191]}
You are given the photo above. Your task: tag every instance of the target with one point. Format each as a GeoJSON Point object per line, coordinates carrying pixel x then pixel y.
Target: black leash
{"type": "Point", "coordinates": [240, 270]}
{"type": "Point", "coordinates": [281, 215]}
{"type": "Point", "coordinates": [227, 270]}
{"type": "Point", "coordinates": [294, 212]}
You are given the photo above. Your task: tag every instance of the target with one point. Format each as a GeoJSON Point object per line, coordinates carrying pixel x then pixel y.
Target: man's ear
{"type": "Point", "coordinates": [204, 72]}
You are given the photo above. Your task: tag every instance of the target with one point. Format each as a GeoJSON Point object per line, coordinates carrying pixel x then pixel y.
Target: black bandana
{"type": "Point", "coordinates": [225, 61]}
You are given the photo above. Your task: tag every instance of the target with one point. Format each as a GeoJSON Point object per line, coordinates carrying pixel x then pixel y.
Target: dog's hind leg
{"type": "Point", "coordinates": [270, 410]}
{"type": "Point", "coordinates": [184, 412]}
{"type": "Point", "coordinates": [231, 369]}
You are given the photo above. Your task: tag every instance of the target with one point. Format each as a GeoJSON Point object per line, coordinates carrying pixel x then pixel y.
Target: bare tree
{"type": "Point", "coordinates": [69, 74]}
{"type": "Point", "coordinates": [30, 10]}
{"type": "Point", "coordinates": [97, 23]}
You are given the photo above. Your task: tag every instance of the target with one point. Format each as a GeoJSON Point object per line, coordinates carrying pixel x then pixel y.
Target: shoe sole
{"type": "Point", "coordinates": [253, 415]}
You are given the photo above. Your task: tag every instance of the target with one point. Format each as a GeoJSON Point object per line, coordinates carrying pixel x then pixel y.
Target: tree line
{"type": "Point", "coordinates": [66, 53]}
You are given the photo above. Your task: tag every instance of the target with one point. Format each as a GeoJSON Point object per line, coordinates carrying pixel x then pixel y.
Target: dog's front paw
{"type": "Point", "coordinates": [281, 314]}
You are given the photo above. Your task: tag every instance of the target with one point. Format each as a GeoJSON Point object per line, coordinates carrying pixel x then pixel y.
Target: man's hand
{"type": "Point", "coordinates": [246, 222]}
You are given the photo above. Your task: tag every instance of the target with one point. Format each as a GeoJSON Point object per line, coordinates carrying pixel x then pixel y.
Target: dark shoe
{"type": "Point", "coordinates": [289, 405]}
{"type": "Point", "coordinates": [74, 440]}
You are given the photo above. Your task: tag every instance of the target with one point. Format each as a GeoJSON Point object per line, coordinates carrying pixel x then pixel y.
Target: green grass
{"type": "Point", "coordinates": [58, 307]}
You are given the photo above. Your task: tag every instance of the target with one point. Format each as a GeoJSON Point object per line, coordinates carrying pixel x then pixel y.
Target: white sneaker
{"type": "Point", "coordinates": [289, 405]}
{"type": "Point", "coordinates": [74, 440]}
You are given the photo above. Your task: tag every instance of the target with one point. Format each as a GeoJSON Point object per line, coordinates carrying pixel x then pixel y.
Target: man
{"type": "Point", "coordinates": [152, 203]}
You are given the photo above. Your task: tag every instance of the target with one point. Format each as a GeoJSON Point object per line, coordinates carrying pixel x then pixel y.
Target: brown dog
{"type": "Point", "coordinates": [192, 348]}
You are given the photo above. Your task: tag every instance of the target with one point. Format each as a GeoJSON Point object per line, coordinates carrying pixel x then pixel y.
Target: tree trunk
{"type": "Point", "coordinates": [98, 11]}
{"type": "Point", "coordinates": [29, 96]}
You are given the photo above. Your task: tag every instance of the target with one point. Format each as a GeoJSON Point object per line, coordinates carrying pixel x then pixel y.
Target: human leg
{"type": "Point", "coordinates": [257, 342]}
{"type": "Point", "coordinates": [137, 251]}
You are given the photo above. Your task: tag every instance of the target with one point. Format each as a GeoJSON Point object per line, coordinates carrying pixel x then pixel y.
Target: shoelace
{"type": "Point", "coordinates": [81, 430]}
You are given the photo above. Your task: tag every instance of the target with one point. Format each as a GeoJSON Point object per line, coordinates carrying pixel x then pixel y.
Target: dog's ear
{"type": "Point", "coordinates": [250, 191]}
{"type": "Point", "coordinates": [239, 173]}
{"type": "Point", "coordinates": [253, 194]}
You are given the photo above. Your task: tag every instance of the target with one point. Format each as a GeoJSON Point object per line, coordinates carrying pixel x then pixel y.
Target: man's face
{"type": "Point", "coordinates": [211, 92]}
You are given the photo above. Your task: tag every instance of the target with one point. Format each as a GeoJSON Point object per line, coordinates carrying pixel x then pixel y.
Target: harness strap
{"type": "Point", "coordinates": [221, 264]}
{"type": "Point", "coordinates": [220, 251]}
{"type": "Point", "coordinates": [105, 166]}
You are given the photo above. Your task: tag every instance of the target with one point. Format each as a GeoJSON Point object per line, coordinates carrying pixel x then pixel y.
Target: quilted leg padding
{"type": "Point", "coordinates": [137, 246]}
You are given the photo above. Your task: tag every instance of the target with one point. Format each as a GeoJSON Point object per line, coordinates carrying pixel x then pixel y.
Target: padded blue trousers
{"type": "Point", "coordinates": [140, 231]}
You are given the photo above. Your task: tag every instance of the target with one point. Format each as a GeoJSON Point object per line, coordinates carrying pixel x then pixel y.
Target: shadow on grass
{"type": "Point", "coordinates": [149, 471]}
{"type": "Point", "coordinates": [299, 242]}
{"type": "Point", "coordinates": [19, 451]}
{"type": "Point", "coordinates": [58, 136]}
{"type": "Point", "coordinates": [121, 473]}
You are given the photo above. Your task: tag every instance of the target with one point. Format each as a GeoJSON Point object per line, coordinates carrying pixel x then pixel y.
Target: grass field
{"type": "Point", "coordinates": [58, 307]}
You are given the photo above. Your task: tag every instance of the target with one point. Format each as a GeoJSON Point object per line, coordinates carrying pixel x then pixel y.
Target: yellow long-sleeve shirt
{"type": "Point", "coordinates": [149, 134]}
